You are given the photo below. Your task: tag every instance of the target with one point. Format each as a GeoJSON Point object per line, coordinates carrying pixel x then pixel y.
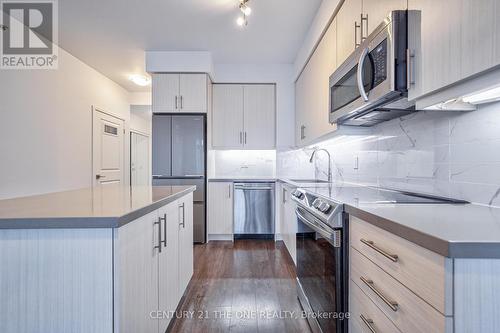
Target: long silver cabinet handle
{"type": "Point", "coordinates": [410, 65]}
{"type": "Point", "coordinates": [182, 104]}
{"type": "Point", "coordinates": [183, 216]}
{"type": "Point", "coordinates": [371, 244]}
{"type": "Point", "coordinates": [176, 98]}
{"type": "Point", "coordinates": [245, 137]}
{"type": "Point", "coordinates": [364, 24]}
{"type": "Point", "coordinates": [164, 219]}
{"type": "Point", "coordinates": [356, 26]}
{"type": "Point", "coordinates": [159, 235]}
{"type": "Point", "coordinates": [229, 191]}
{"type": "Point", "coordinates": [392, 304]}
{"type": "Point", "coordinates": [368, 323]}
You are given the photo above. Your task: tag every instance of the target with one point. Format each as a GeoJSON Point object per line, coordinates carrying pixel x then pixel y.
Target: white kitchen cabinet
{"type": "Point", "coordinates": [193, 93]}
{"type": "Point", "coordinates": [312, 91]}
{"type": "Point", "coordinates": [165, 92]}
{"type": "Point", "coordinates": [185, 92]}
{"type": "Point", "coordinates": [168, 259]}
{"type": "Point", "coordinates": [244, 116]}
{"type": "Point", "coordinates": [220, 209]}
{"type": "Point", "coordinates": [185, 207]}
{"type": "Point", "coordinates": [459, 39]}
{"type": "Point", "coordinates": [138, 273]}
{"type": "Point", "coordinates": [259, 116]}
{"type": "Point", "coordinates": [348, 28]}
{"type": "Point", "coordinates": [375, 12]}
{"type": "Point", "coordinates": [288, 221]}
{"type": "Point", "coordinates": [155, 264]}
{"type": "Point", "coordinates": [227, 116]}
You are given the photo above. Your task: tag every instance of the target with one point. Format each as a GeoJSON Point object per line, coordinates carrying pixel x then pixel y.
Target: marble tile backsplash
{"type": "Point", "coordinates": [455, 154]}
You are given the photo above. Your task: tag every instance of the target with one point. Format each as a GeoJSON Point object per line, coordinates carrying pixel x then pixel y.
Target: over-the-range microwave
{"type": "Point", "coordinates": [371, 86]}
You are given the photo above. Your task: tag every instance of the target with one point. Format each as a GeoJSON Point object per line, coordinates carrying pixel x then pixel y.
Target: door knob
{"type": "Point", "coordinates": [99, 176]}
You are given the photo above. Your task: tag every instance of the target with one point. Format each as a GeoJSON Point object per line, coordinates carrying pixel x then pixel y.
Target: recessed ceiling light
{"type": "Point", "coordinates": [140, 80]}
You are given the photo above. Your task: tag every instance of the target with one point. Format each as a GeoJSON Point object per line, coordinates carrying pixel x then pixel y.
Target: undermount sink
{"type": "Point", "coordinates": [309, 181]}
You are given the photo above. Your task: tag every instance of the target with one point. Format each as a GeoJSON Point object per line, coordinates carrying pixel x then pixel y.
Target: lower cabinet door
{"type": "Point", "coordinates": [168, 264]}
{"type": "Point", "coordinates": [136, 259]}
{"type": "Point", "coordinates": [185, 242]}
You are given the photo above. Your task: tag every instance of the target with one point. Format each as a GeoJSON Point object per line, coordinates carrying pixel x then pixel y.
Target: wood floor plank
{"type": "Point", "coordinates": [245, 286]}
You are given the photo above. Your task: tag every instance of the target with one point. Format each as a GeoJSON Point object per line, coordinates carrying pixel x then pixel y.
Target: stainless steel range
{"type": "Point", "coordinates": [322, 246]}
{"type": "Point", "coordinates": [321, 261]}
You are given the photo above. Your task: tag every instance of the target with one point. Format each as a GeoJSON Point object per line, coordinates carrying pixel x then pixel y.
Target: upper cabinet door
{"type": "Point", "coordinates": [437, 58]}
{"type": "Point", "coordinates": [259, 116]}
{"type": "Point", "coordinates": [480, 34]}
{"type": "Point", "coordinates": [227, 116]}
{"type": "Point", "coordinates": [375, 11]}
{"type": "Point", "coordinates": [348, 28]}
{"type": "Point", "coordinates": [312, 90]}
{"type": "Point", "coordinates": [165, 91]}
{"type": "Point", "coordinates": [185, 242]}
{"type": "Point", "coordinates": [168, 262]}
{"type": "Point", "coordinates": [193, 93]}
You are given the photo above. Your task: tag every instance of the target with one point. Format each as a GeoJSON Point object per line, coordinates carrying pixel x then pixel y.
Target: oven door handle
{"type": "Point", "coordinates": [329, 235]}
{"type": "Point", "coordinates": [359, 75]}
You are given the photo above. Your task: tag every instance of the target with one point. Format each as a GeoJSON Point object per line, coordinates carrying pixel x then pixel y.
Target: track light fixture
{"type": "Point", "coordinates": [245, 11]}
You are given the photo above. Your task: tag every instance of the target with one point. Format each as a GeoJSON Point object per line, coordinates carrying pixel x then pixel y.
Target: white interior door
{"type": "Point", "coordinates": [139, 159]}
{"type": "Point", "coordinates": [107, 149]}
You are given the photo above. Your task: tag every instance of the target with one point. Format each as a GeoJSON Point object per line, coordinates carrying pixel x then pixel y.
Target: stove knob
{"type": "Point", "coordinates": [298, 194]}
{"type": "Point", "coordinates": [324, 207]}
{"type": "Point", "coordinates": [317, 203]}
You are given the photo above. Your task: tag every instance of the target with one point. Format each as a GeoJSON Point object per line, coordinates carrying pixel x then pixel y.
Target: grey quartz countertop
{"type": "Point", "coordinates": [452, 230]}
{"type": "Point", "coordinates": [242, 179]}
{"type": "Point", "coordinates": [108, 207]}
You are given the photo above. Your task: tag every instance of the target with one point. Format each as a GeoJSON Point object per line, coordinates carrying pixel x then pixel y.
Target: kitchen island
{"type": "Point", "coordinates": [108, 259]}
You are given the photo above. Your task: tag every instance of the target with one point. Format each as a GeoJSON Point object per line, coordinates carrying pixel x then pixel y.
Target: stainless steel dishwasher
{"type": "Point", "coordinates": [254, 210]}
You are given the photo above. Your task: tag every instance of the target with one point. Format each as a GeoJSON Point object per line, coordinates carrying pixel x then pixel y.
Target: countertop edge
{"type": "Point", "coordinates": [134, 215]}
{"type": "Point", "coordinates": [429, 242]}
{"type": "Point", "coordinates": [107, 222]}
{"type": "Point", "coordinates": [447, 248]}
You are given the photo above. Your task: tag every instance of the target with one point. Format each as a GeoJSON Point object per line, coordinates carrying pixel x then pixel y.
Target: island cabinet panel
{"type": "Point", "coordinates": [154, 260]}
{"type": "Point", "coordinates": [186, 255]}
{"type": "Point", "coordinates": [137, 274]}
{"type": "Point", "coordinates": [123, 279]}
{"type": "Point", "coordinates": [56, 280]}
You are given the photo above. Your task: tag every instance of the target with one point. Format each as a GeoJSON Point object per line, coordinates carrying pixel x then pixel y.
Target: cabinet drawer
{"type": "Point", "coordinates": [426, 273]}
{"type": "Point", "coordinates": [364, 312]}
{"type": "Point", "coordinates": [407, 311]}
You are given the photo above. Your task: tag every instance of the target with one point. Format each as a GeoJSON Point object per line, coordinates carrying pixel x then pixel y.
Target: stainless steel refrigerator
{"type": "Point", "coordinates": [179, 159]}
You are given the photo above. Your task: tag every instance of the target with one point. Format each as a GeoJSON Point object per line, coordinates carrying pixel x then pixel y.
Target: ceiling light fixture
{"type": "Point", "coordinates": [246, 11]}
{"type": "Point", "coordinates": [140, 80]}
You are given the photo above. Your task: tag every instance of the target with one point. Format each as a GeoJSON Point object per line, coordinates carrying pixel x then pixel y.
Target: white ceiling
{"type": "Point", "coordinates": [112, 35]}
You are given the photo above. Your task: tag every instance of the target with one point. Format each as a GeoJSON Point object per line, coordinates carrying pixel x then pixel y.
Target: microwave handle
{"type": "Point", "coordinates": [361, 86]}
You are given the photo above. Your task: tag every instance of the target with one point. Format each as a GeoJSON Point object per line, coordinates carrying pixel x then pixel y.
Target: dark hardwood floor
{"type": "Point", "coordinates": [245, 286]}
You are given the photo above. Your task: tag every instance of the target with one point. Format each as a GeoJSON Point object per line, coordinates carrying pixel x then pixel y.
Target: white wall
{"type": "Point", "coordinates": [45, 126]}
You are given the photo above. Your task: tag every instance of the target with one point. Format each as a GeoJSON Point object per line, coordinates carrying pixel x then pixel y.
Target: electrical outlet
{"type": "Point", "coordinates": [356, 163]}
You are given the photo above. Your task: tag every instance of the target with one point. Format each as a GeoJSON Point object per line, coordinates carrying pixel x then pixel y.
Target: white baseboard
{"type": "Point", "coordinates": [220, 237]}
